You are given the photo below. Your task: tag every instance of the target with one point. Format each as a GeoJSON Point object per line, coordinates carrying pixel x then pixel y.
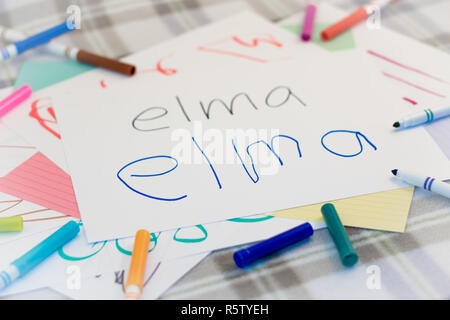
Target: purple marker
{"type": "Point", "coordinates": [308, 23]}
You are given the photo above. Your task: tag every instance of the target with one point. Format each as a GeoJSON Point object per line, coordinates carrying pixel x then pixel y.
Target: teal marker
{"type": "Point", "coordinates": [347, 254]}
{"type": "Point", "coordinates": [35, 256]}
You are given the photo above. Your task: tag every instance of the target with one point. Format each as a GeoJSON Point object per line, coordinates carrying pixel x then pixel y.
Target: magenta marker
{"type": "Point", "coordinates": [14, 99]}
{"type": "Point", "coordinates": [308, 23]}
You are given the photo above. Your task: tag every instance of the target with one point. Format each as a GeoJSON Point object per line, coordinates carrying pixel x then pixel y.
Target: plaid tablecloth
{"type": "Point", "coordinates": [412, 265]}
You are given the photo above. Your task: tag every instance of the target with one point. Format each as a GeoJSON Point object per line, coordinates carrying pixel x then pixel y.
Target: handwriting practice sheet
{"type": "Point", "coordinates": [222, 123]}
{"type": "Point", "coordinates": [417, 82]}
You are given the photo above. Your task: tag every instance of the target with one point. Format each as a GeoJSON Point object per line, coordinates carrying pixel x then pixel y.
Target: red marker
{"type": "Point", "coordinates": [353, 19]}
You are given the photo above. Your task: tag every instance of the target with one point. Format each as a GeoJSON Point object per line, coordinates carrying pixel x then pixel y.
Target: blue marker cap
{"type": "Point", "coordinates": [47, 247]}
{"type": "Point", "coordinates": [244, 257]}
{"type": "Point", "coordinates": [43, 37]}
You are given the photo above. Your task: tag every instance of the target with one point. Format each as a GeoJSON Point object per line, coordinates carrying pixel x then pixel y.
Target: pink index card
{"type": "Point", "coordinates": [40, 181]}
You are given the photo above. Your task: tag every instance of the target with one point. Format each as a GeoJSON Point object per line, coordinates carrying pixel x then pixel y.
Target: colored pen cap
{"type": "Point", "coordinates": [47, 247]}
{"type": "Point", "coordinates": [347, 254]}
{"type": "Point", "coordinates": [11, 224]}
{"type": "Point", "coordinates": [246, 256]}
{"type": "Point", "coordinates": [43, 37]}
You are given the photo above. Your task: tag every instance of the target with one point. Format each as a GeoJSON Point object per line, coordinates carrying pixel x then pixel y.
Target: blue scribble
{"type": "Point", "coordinates": [357, 134]}
{"type": "Point", "coordinates": [210, 165]}
{"type": "Point", "coordinates": [149, 175]}
{"type": "Point", "coordinates": [255, 180]}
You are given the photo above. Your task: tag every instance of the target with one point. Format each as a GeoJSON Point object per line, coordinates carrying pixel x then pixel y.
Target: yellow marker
{"type": "Point", "coordinates": [11, 224]}
{"type": "Point", "coordinates": [135, 281]}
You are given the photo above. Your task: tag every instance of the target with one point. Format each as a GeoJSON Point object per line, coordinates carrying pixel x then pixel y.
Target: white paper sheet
{"type": "Point", "coordinates": [122, 156]}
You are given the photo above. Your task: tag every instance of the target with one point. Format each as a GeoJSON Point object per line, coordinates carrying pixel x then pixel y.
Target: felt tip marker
{"type": "Point", "coordinates": [308, 22]}
{"type": "Point", "coordinates": [422, 117]}
{"type": "Point", "coordinates": [19, 47]}
{"type": "Point", "coordinates": [353, 19]}
{"type": "Point", "coordinates": [14, 99]}
{"type": "Point", "coordinates": [135, 281]}
{"type": "Point", "coordinates": [427, 183]}
{"type": "Point", "coordinates": [72, 53]}
{"type": "Point", "coordinates": [21, 266]}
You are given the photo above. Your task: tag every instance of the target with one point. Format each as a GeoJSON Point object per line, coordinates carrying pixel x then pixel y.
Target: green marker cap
{"type": "Point", "coordinates": [347, 254]}
{"type": "Point", "coordinates": [10, 224]}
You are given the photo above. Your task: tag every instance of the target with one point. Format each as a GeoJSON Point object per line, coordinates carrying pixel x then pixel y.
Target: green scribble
{"type": "Point", "coordinates": [251, 220]}
{"type": "Point", "coordinates": [191, 240]}
{"type": "Point", "coordinates": [65, 256]}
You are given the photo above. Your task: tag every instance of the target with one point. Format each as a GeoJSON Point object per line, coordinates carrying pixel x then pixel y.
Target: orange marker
{"type": "Point", "coordinates": [135, 281]}
{"type": "Point", "coordinates": [353, 19]}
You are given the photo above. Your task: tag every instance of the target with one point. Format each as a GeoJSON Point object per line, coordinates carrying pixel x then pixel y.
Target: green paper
{"type": "Point", "coordinates": [41, 74]}
{"type": "Point", "coordinates": [344, 41]}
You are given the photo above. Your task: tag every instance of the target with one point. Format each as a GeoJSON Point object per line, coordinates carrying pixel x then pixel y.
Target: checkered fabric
{"type": "Point", "coordinates": [412, 265]}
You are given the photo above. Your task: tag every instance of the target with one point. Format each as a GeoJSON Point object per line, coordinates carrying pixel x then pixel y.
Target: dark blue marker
{"type": "Point", "coordinates": [244, 257]}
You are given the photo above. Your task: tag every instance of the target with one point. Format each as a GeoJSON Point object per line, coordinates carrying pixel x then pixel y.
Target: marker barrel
{"type": "Point", "coordinates": [135, 281]}
{"type": "Point", "coordinates": [106, 63]}
{"type": "Point", "coordinates": [424, 116]}
{"type": "Point", "coordinates": [14, 99]}
{"type": "Point", "coordinates": [246, 256]}
{"type": "Point", "coordinates": [344, 24]}
{"type": "Point", "coordinates": [308, 23]}
{"type": "Point", "coordinates": [47, 247]}
{"type": "Point", "coordinates": [347, 254]}
{"type": "Point", "coordinates": [24, 264]}
{"type": "Point", "coordinates": [11, 224]}
{"type": "Point", "coordinates": [425, 182]}
{"type": "Point", "coordinates": [42, 37]}
{"type": "Point", "coordinates": [73, 53]}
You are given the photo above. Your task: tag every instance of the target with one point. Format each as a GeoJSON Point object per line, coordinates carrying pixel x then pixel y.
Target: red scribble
{"type": "Point", "coordinates": [401, 65]}
{"type": "Point", "coordinates": [36, 113]}
{"type": "Point", "coordinates": [409, 100]}
{"type": "Point", "coordinates": [413, 85]}
{"type": "Point", "coordinates": [162, 70]}
{"type": "Point", "coordinates": [255, 42]}
{"type": "Point", "coordinates": [102, 83]}
{"type": "Point", "coordinates": [231, 54]}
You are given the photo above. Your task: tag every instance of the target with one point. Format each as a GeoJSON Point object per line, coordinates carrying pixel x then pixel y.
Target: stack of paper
{"type": "Point", "coordinates": [247, 122]}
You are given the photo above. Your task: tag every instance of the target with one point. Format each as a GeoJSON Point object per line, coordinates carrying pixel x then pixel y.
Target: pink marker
{"type": "Point", "coordinates": [14, 99]}
{"type": "Point", "coordinates": [308, 23]}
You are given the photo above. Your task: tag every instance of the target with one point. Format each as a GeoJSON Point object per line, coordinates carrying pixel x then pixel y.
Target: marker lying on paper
{"type": "Point", "coordinates": [23, 45]}
{"type": "Point", "coordinates": [135, 281]}
{"type": "Point", "coordinates": [422, 117]}
{"type": "Point", "coordinates": [347, 254]}
{"type": "Point", "coordinates": [14, 99]}
{"type": "Point", "coordinates": [11, 224]}
{"type": "Point", "coordinates": [308, 22]}
{"type": "Point", "coordinates": [428, 183]}
{"type": "Point", "coordinates": [245, 257]}
{"type": "Point", "coordinates": [353, 19]}
{"type": "Point", "coordinates": [21, 266]}
{"type": "Point", "coordinates": [74, 53]}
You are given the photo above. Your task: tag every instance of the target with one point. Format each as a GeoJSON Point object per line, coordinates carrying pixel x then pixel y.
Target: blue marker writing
{"type": "Point", "coordinates": [24, 264]}
{"type": "Point", "coordinates": [149, 176]}
{"type": "Point", "coordinates": [19, 47]}
{"type": "Point", "coordinates": [358, 136]}
{"type": "Point", "coordinates": [255, 180]}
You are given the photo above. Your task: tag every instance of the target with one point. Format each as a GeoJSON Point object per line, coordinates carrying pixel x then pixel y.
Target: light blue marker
{"type": "Point", "coordinates": [38, 39]}
{"type": "Point", "coordinates": [39, 253]}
